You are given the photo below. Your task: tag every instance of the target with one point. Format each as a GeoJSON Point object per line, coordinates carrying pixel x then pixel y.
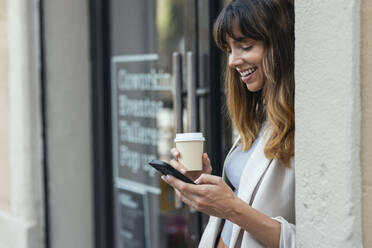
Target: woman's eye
{"type": "Point", "coordinates": [247, 48]}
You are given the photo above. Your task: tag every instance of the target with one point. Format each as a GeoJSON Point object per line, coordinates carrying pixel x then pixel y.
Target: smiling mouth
{"type": "Point", "coordinates": [248, 72]}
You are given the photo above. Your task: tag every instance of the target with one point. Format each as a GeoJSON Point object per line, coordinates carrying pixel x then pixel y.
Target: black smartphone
{"type": "Point", "coordinates": [166, 169]}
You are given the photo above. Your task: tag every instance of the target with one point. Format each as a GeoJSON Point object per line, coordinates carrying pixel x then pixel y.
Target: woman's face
{"type": "Point", "coordinates": [245, 56]}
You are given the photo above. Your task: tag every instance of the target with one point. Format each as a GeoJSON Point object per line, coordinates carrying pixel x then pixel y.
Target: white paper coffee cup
{"type": "Point", "coordinates": [190, 146]}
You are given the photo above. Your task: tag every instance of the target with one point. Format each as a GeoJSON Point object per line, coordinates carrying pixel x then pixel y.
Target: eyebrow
{"type": "Point", "coordinates": [242, 39]}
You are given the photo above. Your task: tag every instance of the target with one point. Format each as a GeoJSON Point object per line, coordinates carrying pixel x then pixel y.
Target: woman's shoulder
{"type": "Point", "coordinates": [289, 169]}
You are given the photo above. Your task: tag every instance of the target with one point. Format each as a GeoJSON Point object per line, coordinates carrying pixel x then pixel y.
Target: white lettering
{"type": "Point", "coordinates": [135, 133]}
{"type": "Point", "coordinates": [138, 108]}
{"type": "Point", "coordinates": [136, 161]}
{"type": "Point", "coordinates": [154, 81]}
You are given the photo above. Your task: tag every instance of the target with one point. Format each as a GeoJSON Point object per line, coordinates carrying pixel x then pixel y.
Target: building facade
{"type": "Point", "coordinates": [91, 90]}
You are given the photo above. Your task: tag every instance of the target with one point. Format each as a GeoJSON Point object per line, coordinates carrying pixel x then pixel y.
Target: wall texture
{"type": "Point", "coordinates": [366, 125]}
{"type": "Point", "coordinates": [328, 181]}
{"type": "Point", "coordinates": [23, 226]}
{"type": "Point", "coordinates": [4, 109]}
{"type": "Point", "coordinates": [70, 185]}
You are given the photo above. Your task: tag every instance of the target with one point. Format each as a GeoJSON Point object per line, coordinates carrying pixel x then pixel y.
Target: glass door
{"type": "Point", "coordinates": [144, 35]}
{"type": "Point", "coordinates": [159, 73]}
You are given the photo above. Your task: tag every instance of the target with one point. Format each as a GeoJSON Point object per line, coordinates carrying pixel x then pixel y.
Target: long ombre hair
{"type": "Point", "coordinates": [272, 22]}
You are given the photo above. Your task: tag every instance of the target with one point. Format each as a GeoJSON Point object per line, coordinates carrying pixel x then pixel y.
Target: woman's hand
{"type": "Point", "coordinates": [214, 197]}
{"type": "Point", "coordinates": [207, 168]}
{"type": "Point", "coordinates": [211, 195]}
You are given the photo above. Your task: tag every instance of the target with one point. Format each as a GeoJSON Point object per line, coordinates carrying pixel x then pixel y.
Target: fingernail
{"type": "Point", "coordinates": [168, 177]}
{"type": "Point", "coordinates": [183, 171]}
{"type": "Point", "coordinates": [163, 178]}
{"type": "Point", "coordinates": [196, 181]}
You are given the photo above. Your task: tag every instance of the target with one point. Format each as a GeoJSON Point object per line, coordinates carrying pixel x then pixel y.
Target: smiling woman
{"type": "Point", "coordinates": [253, 202]}
{"type": "Point", "coordinates": [246, 58]}
{"type": "Point", "coordinates": [268, 25]}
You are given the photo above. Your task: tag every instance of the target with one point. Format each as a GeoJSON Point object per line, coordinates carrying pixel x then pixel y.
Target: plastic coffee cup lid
{"type": "Point", "coordinates": [189, 137]}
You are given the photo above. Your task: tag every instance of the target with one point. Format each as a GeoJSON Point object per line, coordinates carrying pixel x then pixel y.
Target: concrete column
{"type": "Point", "coordinates": [24, 225]}
{"type": "Point", "coordinates": [366, 125]}
{"type": "Point", "coordinates": [4, 110]}
{"type": "Point", "coordinates": [328, 180]}
{"type": "Point", "coordinates": [25, 114]}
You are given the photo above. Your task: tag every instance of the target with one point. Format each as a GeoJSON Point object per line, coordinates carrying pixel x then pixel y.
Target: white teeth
{"type": "Point", "coordinates": [247, 72]}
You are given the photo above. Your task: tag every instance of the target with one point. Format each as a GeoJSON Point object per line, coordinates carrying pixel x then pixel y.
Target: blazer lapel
{"type": "Point", "coordinates": [247, 187]}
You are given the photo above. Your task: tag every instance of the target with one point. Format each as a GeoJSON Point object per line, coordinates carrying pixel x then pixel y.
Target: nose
{"type": "Point", "coordinates": [234, 59]}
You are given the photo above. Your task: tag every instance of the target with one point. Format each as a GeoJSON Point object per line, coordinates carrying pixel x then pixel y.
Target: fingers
{"type": "Point", "coordinates": [186, 200]}
{"type": "Point", "coordinates": [175, 183]}
{"type": "Point", "coordinates": [184, 188]}
{"type": "Point", "coordinates": [183, 197]}
{"type": "Point", "coordinates": [208, 179]}
{"type": "Point", "coordinates": [175, 153]}
{"type": "Point", "coordinates": [175, 163]}
{"type": "Point", "coordinates": [206, 157]}
{"type": "Point", "coordinates": [207, 168]}
{"type": "Point", "coordinates": [187, 193]}
{"type": "Point", "coordinates": [178, 166]}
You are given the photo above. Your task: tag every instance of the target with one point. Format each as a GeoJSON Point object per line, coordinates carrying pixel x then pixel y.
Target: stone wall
{"type": "Point", "coordinates": [366, 125]}
{"type": "Point", "coordinates": [4, 110]}
{"type": "Point", "coordinates": [328, 180]}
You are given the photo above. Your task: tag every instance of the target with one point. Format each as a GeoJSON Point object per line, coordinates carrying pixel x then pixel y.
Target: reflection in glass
{"type": "Point", "coordinates": [144, 34]}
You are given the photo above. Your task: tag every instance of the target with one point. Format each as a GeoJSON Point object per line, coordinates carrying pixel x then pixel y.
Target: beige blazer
{"type": "Point", "coordinates": [270, 189]}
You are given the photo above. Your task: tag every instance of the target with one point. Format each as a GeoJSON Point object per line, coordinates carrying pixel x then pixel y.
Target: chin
{"type": "Point", "coordinates": [254, 88]}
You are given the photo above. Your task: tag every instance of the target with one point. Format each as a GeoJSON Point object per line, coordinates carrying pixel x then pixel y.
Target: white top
{"type": "Point", "coordinates": [234, 167]}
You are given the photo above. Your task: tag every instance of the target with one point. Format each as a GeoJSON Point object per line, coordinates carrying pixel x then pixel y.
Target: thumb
{"type": "Point", "coordinates": [206, 159]}
{"type": "Point", "coordinates": [206, 163]}
{"type": "Point", "coordinates": [208, 179]}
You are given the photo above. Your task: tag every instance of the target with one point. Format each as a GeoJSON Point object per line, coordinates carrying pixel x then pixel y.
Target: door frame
{"type": "Point", "coordinates": [101, 124]}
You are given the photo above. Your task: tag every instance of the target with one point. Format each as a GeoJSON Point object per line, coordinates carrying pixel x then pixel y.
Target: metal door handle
{"type": "Point", "coordinates": [192, 105]}
{"type": "Point", "coordinates": [192, 117]}
{"type": "Point", "coordinates": [191, 98]}
{"type": "Point", "coordinates": [177, 103]}
{"type": "Point", "coordinates": [177, 91]}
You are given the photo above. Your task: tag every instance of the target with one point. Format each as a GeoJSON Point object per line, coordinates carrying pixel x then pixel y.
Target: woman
{"type": "Point", "coordinates": [252, 205]}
